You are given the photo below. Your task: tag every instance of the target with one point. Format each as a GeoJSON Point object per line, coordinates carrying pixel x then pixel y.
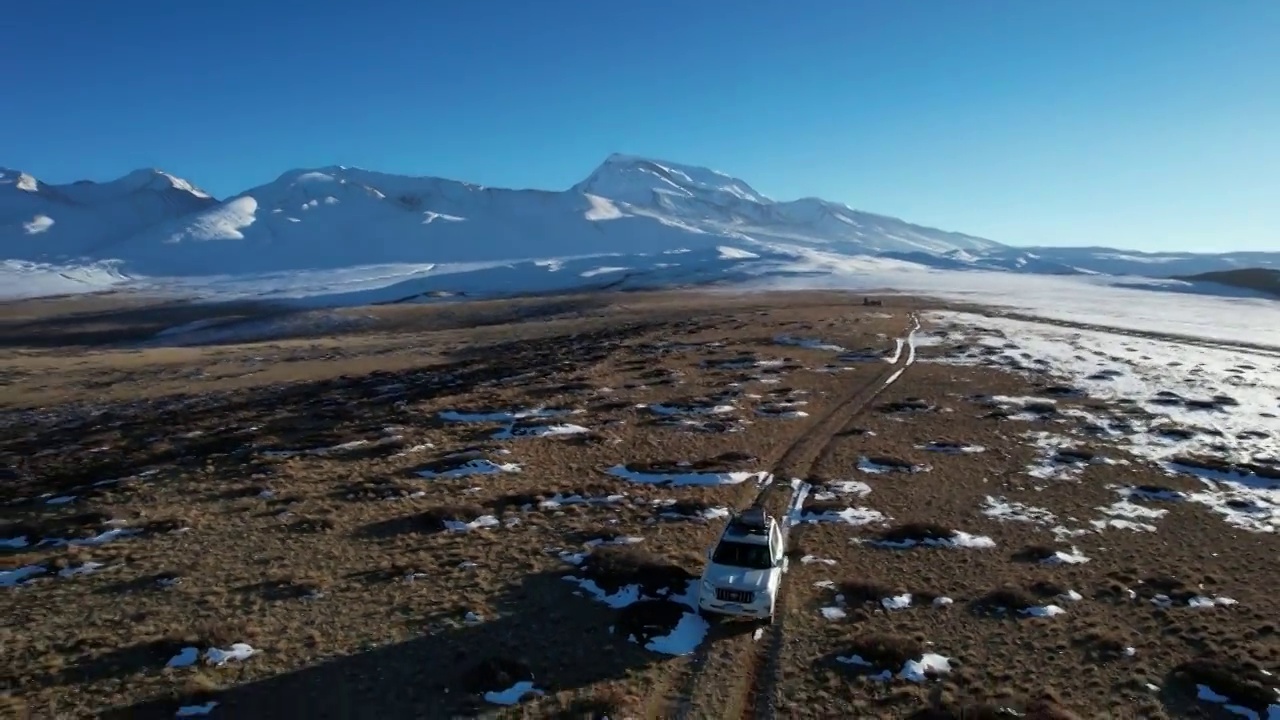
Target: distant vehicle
{"type": "Point", "coordinates": [869, 301]}
{"type": "Point", "coordinates": [744, 568]}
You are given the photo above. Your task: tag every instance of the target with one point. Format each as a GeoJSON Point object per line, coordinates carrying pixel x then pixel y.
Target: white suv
{"type": "Point", "coordinates": [744, 568]}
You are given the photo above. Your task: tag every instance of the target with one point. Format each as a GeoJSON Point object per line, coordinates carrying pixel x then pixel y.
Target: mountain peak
{"type": "Point", "coordinates": [20, 180]}
{"type": "Point", "coordinates": [158, 179]}
{"type": "Point", "coordinates": [141, 179]}
{"type": "Point", "coordinates": [640, 180]}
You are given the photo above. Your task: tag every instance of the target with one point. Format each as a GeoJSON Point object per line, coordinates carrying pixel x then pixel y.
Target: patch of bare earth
{"type": "Point", "coordinates": [380, 523]}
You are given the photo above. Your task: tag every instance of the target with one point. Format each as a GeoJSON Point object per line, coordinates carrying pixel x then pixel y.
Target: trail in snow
{"type": "Point", "coordinates": [762, 691]}
{"type": "Point", "coordinates": [799, 492]}
{"type": "Point", "coordinates": [897, 351]}
{"type": "Point", "coordinates": [911, 340]}
{"type": "Point", "coordinates": [910, 343]}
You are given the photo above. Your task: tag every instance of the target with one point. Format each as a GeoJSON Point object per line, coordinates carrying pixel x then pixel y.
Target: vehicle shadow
{"type": "Point", "coordinates": [545, 632]}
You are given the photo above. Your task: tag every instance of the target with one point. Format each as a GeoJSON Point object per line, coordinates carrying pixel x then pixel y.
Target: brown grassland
{"type": "Point", "coordinates": [269, 493]}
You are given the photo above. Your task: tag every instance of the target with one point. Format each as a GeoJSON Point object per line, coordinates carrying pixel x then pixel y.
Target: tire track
{"type": "Point", "coordinates": [760, 699]}
{"type": "Point", "coordinates": [753, 695]}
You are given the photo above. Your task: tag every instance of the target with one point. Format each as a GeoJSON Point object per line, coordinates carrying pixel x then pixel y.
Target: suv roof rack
{"type": "Point", "coordinates": [754, 520]}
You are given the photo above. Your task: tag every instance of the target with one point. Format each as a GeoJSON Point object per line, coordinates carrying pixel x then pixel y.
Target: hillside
{"type": "Point", "coordinates": [1264, 280]}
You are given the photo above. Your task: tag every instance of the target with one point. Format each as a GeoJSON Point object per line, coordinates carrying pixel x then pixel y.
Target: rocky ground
{"type": "Point", "coordinates": [499, 509]}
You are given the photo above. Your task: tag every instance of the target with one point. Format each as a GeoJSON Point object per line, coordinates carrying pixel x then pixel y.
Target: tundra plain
{"type": "Point", "coordinates": [501, 509]}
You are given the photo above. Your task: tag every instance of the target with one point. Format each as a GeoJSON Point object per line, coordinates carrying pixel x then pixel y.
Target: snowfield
{"type": "Point", "coordinates": [1104, 301]}
{"type": "Point", "coordinates": [24, 279]}
{"type": "Point", "coordinates": [1208, 412]}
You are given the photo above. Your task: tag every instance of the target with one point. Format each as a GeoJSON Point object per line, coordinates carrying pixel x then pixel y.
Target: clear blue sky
{"type": "Point", "coordinates": [1152, 124]}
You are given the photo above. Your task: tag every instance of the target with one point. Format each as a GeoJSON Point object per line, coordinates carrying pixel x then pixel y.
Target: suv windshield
{"type": "Point", "coordinates": [744, 555]}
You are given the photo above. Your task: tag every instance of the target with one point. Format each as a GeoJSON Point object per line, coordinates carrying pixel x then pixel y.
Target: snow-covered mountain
{"type": "Point", "coordinates": [719, 204]}
{"type": "Point", "coordinates": [42, 221]}
{"type": "Point", "coordinates": [151, 223]}
{"type": "Point", "coordinates": [339, 216]}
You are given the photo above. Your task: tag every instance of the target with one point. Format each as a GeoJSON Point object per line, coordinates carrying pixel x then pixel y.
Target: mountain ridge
{"type": "Point", "coordinates": [154, 223]}
{"type": "Point", "coordinates": [42, 220]}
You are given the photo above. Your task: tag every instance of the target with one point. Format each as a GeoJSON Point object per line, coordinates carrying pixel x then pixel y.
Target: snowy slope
{"type": "Point", "coordinates": [39, 221]}
{"type": "Point", "coordinates": [341, 216]}
{"type": "Point", "coordinates": [718, 203]}
{"type": "Point", "coordinates": [723, 265]}
{"type": "Point", "coordinates": [24, 279]}
{"type": "Point", "coordinates": [338, 216]}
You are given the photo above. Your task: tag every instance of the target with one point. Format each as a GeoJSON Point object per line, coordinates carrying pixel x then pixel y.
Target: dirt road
{"type": "Point", "coordinates": [734, 672]}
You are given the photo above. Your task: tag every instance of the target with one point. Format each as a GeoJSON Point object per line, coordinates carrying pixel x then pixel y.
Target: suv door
{"type": "Point", "coordinates": [775, 542]}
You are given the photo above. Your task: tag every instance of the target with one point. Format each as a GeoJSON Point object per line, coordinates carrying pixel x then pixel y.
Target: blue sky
{"type": "Point", "coordinates": [1150, 124]}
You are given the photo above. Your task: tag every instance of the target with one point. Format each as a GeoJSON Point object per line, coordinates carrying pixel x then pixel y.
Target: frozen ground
{"type": "Point", "coordinates": [996, 500]}
{"type": "Point", "coordinates": [1134, 304]}
{"type": "Point", "coordinates": [1231, 395]}
{"type": "Point", "coordinates": [25, 279]}
{"type": "Point", "coordinates": [1208, 412]}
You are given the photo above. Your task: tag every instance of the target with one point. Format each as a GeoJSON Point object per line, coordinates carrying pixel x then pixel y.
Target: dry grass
{"type": "Point", "coordinates": [916, 532]}
{"type": "Point", "coordinates": [885, 652]}
{"type": "Point", "coordinates": [1243, 686]}
{"type": "Point", "coordinates": [256, 524]}
{"type": "Point", "coordinates": [614, 567]}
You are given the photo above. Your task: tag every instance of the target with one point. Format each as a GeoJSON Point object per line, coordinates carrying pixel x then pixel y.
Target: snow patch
{"type": "Point", "coordinates": [222, 223]}
{"type": "Point", "coordinates": [849, 516]}
{"type": "Point", "coordinates": [478, 466]}
{"type": "Point", "coordinates": [929, 665]}
{"type": "Point", "coordinates": [691, 477]}
{"type": "Point", "coordinates": [958, 539]}
{"type": "Point", "coordinates": [601, 209]}
{"type": "Point", "coordinates": [689, 632]}
{"type": "Point", "coordinates": [37, 224]}
{"type": "Point", "coordinates": [842, 487]}
{"type": "Point", "coordinates": [460, 526]}
{"type": "Point", "coordinates": [20, 575]}
{"type": "Point", "coordinates": [1002, 508]}
{"type": "Point", "coordinates": [518, 430]}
